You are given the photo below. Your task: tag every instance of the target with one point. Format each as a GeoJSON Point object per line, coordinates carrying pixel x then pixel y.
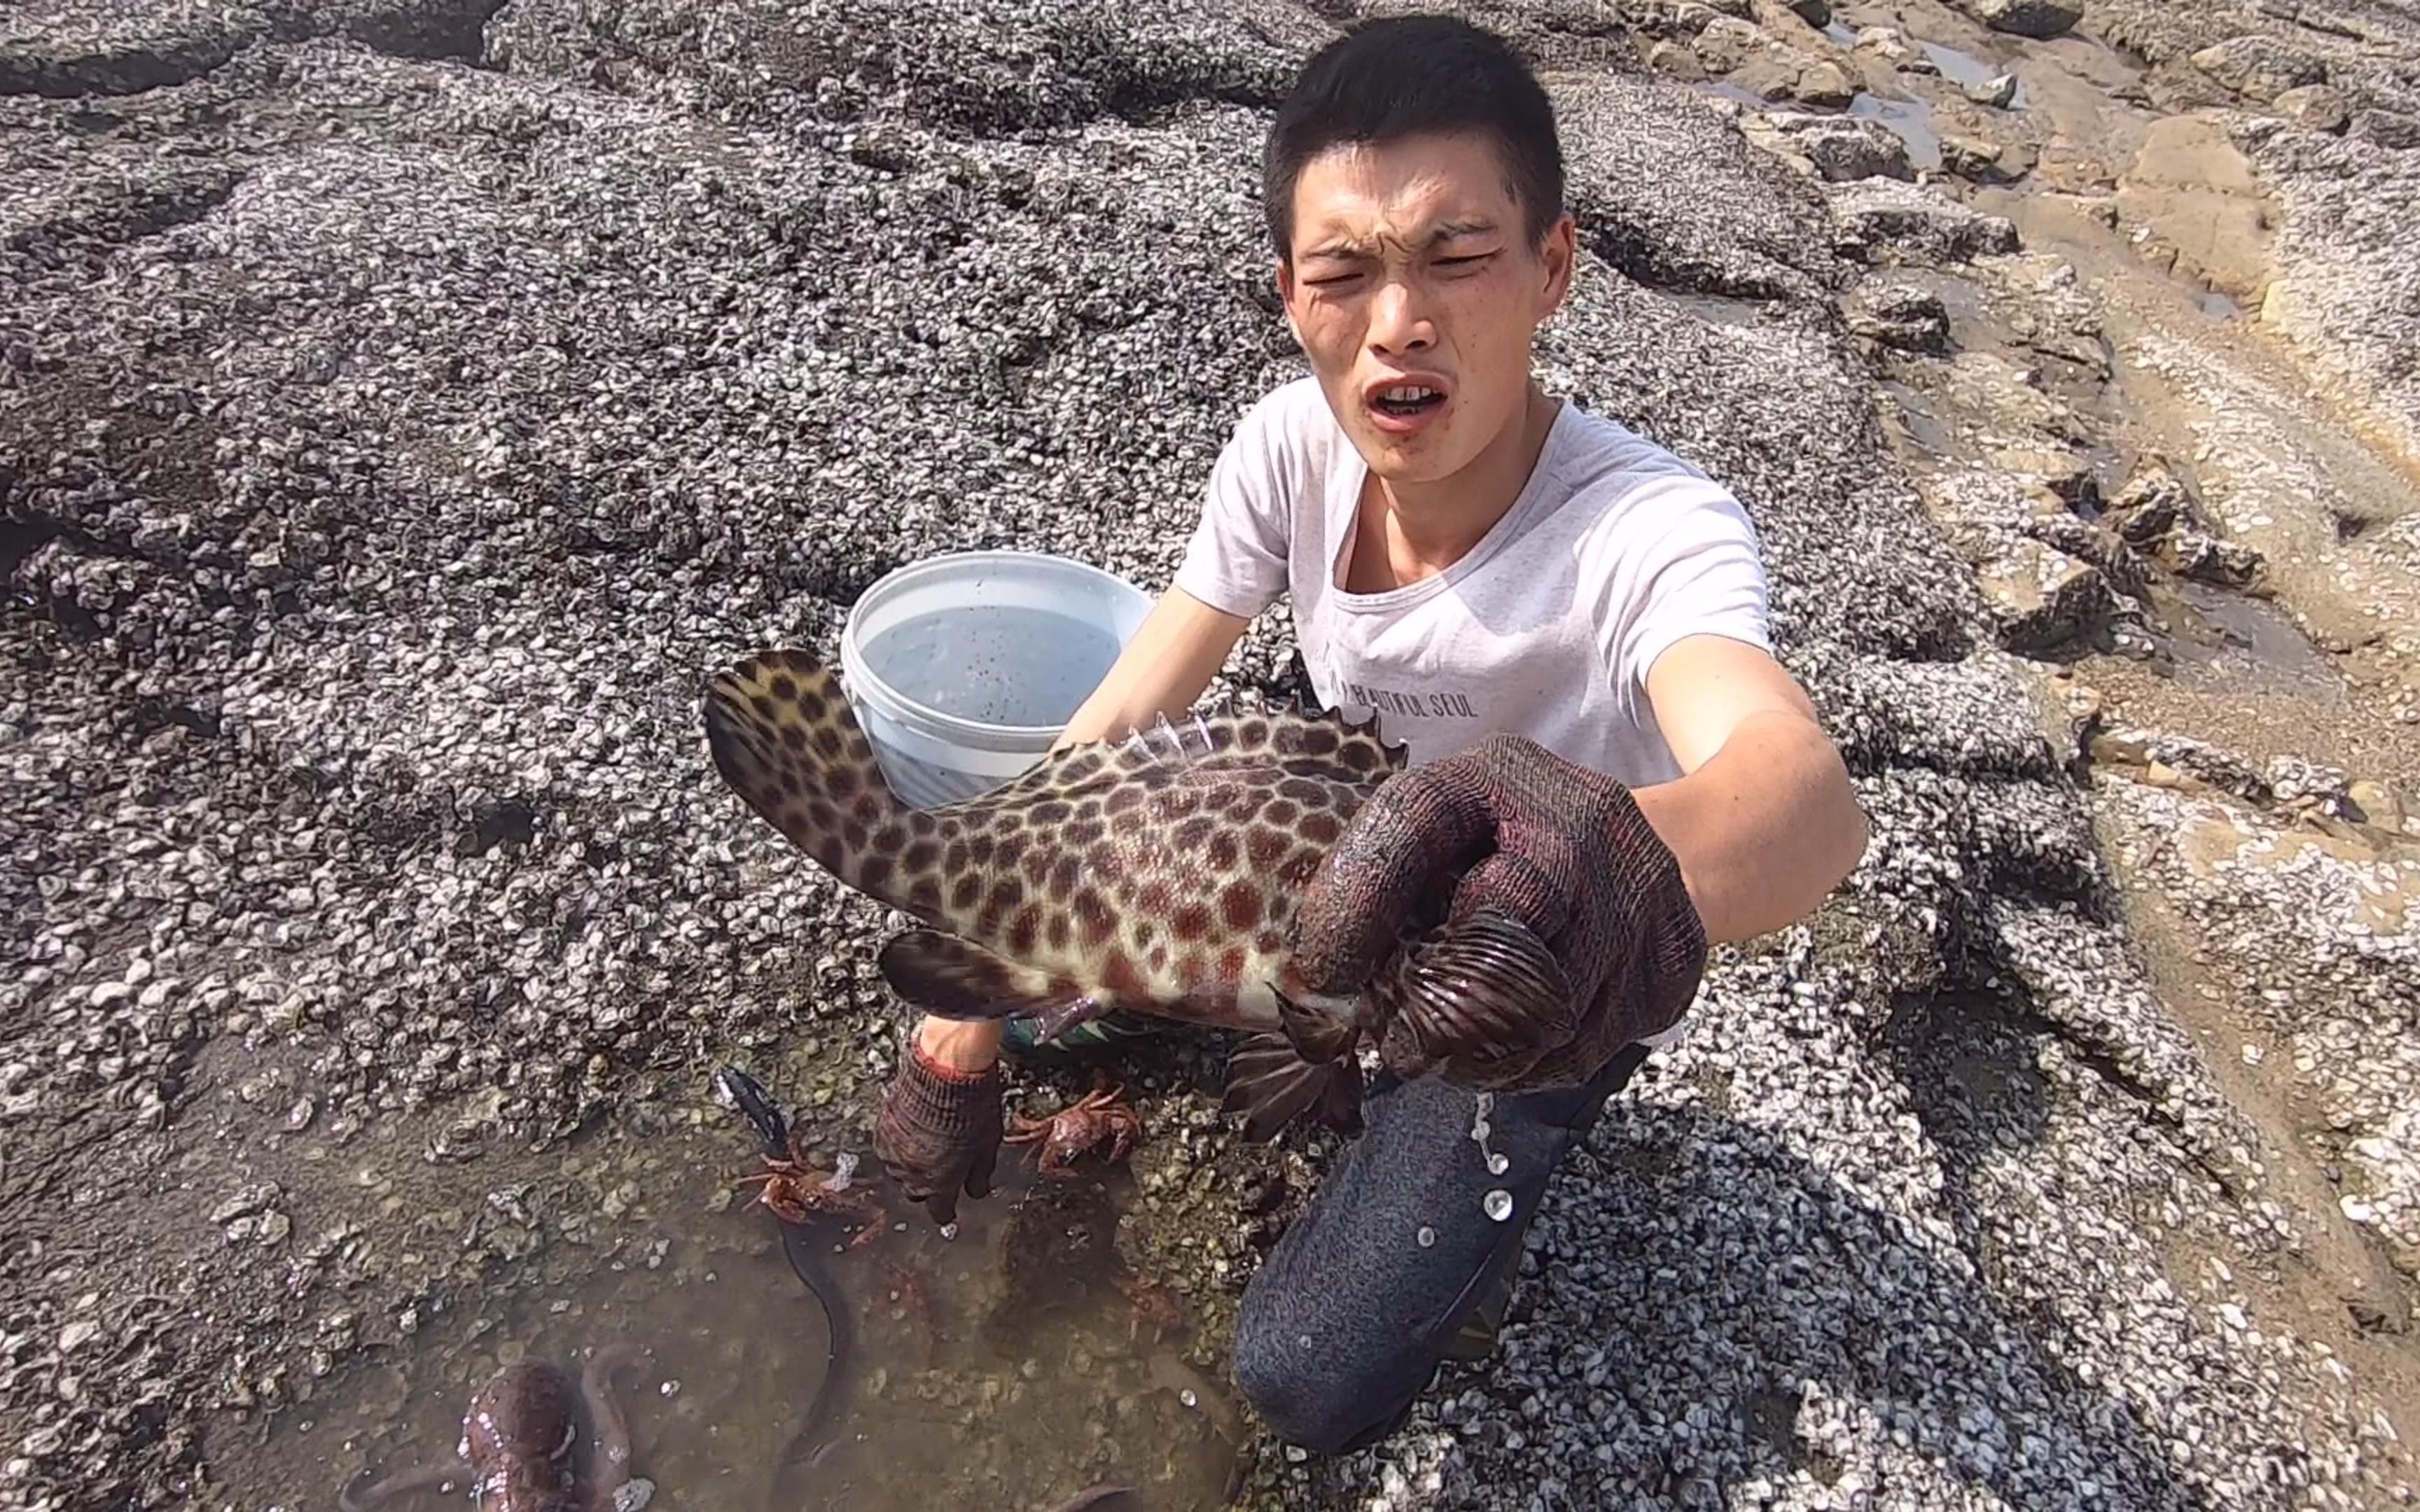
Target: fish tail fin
{"type": "Point", "coordinates": [1270, 1084]}
{"type": "Point", "coordinates": [783, 735]}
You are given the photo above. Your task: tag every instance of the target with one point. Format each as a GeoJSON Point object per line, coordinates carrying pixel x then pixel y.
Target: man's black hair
{"type": "Point", "coordinates": [1400, 76]}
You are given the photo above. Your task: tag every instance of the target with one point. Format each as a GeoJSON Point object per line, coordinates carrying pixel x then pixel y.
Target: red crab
{"type": "Point", "coordinates": [796, 1191]}
{"type": "Point", "coordinates": [1080, 1128]}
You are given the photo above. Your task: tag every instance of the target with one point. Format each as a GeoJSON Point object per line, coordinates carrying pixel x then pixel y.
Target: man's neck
{"type": "Point", "coordinates": [1414, 530]}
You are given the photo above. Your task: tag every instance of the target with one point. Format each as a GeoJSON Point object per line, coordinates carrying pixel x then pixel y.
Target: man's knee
{"type": "Point", "coordinates": [1331, 1401]}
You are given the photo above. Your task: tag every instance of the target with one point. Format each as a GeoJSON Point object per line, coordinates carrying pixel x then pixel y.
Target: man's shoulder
{"type": "Point", "coordinates": [1294, 412]}
{"type": "Point", "coordinates": [1600, 453]}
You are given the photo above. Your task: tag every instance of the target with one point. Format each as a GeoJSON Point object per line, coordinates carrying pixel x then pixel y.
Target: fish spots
{"type": "Point", "coordinates": [821, 816]}
{"type": "Point", "coordinates": [852, 834]}
{"type": "Point", "coordinates": [812, 706]}
{"type": "Point", "coordinates": [1240, 905]}
{"type": "Point", "coordinates": [1082, 832]}
{"type": "Point", "coordinates": [1006, 894]}
{"type": "Point", "coordinates": [956, 854]}
{"type": "Point", "coordinates": [793, 738]}
{"type": "Point", "coordinates": [965, 893]}
{"type": "Point", "coordinates": [1150, 898]}
{"type": "Point", "coordinates": [923, 824]}
{"type": "Point", "coordinates": [1158, 958]}
{"type": "Point", "coordinates": [1117, 974]}
{"type": "Point", "coordinates": [1058, 931]}
{"type": "Point", "coordinates": [1319, 740]}
{"type": "Point", "coordinates": [1037, 867]}
{"type": "Point", "coordinates": [1080, 766]}
{"type": "Point", "coordinates": [1049, 811]}
{"type": "Point", "coordinates": [1280, 813]}
{"type": "Point", "coordinates": [919, 856]}
{"type": "Point", "coordinates": [767, 710]}
{"type": "Point", "coordinates": [1224, 850]}
{"type": "Point", "coordinates": [1194, 834]}
{"type": "Point", "coordinates": [841, 782]}
{"type": "Point", "coordinates": [1231, 963]}
{"type": "Point", "coordinates": [1121, 800]}
{"type": "Point", "coordinates": [1320, 828]}
{"type": "Point", "coordinates": [829, 743]}
{"type": "Point", "coordinates": [891, 838]}
{"type": "Point", "coordinates": [786, 688]}
{"type": "Point", "coordinates": [1091, 913]}
{"type": "Point", "coordinates": [1303, 791]}
{"type": "Point", "coordinates": [1024, 928]}
{"type": "Point", "coordinates": [874, 874]}
{"type": "Point", "coordinates": [1064, 874]}
{"type": "Point", "coordinates": [1360, 756]}
{"type": "Point", "coordinates": [1252, 734]}
{"type": "Point", "coordinates": [1264, 848]}
{"type": "Point", "coordinates": [1190, 923]}
{"type": "Point", "coordinates": [1008, 822]}
{"type": "Point", "coordinates": [1268, 943]}
{"type": "Point", "coordinates": [925, 894]}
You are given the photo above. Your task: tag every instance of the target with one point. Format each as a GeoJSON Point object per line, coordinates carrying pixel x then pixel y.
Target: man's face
{"type": "Point", "coordinates": [1416, 293]}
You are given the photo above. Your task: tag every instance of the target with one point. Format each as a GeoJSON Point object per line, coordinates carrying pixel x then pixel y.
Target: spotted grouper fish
{"type": "Point", "coordinates": [1154, 874]}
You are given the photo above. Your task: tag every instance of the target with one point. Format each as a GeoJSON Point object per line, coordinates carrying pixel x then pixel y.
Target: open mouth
{"type": "Point", "coordinates": [1405, 400]}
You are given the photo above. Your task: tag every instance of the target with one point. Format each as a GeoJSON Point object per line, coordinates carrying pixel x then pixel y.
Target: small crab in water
{"type": "Point", "coordinates": [1080, 1128]}
{"type": "Point", "coordinates": [796, 1191]}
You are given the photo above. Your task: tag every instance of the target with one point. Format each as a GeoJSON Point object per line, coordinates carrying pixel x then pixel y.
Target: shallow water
{"type": "Point", "coordinates": [1910, 120]}
{"type": "Point", "coordinates": [2245, 646]}
{"type": "Point", "coordinates": [1967, 71]}
{"type": "Point", "coordinates": [1027, 1376]}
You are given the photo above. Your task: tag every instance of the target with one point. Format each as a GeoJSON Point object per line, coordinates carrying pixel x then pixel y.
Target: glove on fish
{"type": "Point", "coordinates": [939, 1132]}
{"type": "Point", "coordinates": [1560, 850]}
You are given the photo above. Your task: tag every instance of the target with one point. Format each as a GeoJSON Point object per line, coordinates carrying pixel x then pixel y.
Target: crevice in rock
{"type": "Point", "coordinates": [56, 245]}
{"type": "Point", "coordinates": [1641, 258]}
{"type": "Point", "coordinates": [130, 70]}
{"type": "Point", "coordinates": [450, 30]}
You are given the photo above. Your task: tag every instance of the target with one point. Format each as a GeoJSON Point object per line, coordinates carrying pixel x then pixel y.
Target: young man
{"type": "Point", "coordinates": [1566, 622]}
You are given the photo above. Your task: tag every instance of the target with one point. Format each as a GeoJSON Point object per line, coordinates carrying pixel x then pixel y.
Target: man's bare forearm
{"type": "Point", "coordinates": [1764, 829]}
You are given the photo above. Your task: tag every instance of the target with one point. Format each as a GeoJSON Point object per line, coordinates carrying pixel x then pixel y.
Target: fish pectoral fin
{"type": "Point", "coordinates": [1486, 987]}
{"type": "Point", "coordinates": [954, 979]}
{"type": "Point", "coordinates": [1270, 1084]}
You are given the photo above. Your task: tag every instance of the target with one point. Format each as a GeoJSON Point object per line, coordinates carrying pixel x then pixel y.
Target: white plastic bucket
{"type": "Point", "coordinates": [963, 669]}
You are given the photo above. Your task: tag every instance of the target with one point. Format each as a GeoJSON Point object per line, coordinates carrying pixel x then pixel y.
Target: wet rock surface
{"type": "Point", "coordinates": [401, 418]}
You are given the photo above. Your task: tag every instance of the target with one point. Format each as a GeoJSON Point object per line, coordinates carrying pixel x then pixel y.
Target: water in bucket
{"type": "Point", "coordinates": [995, 663]}
{"type": "Point", "coordinates": [963, 669]}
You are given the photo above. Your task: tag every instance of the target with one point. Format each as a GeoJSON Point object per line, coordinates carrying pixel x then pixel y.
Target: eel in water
{"type": "Point", "coordinates": [799, 1242]}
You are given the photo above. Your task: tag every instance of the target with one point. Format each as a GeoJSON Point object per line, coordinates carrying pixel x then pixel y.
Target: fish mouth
{"type": "Point", "coordinates": [1404, 402]}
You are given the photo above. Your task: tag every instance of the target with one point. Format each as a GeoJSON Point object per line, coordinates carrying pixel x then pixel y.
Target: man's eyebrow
{"type": "Point", "coordinates": [1345, 244]}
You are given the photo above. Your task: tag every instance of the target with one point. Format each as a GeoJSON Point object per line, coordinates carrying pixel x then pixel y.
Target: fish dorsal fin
{"type": "Point", "coordinates": [1231, 733]}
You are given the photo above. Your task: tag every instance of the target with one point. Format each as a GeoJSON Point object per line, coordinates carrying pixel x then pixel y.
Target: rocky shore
{"type": "Point", "coordinates": [404, 404]}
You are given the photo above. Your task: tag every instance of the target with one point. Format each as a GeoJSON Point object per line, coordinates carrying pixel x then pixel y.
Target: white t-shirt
{"type": "Point", "coordinates": [1615, 550]}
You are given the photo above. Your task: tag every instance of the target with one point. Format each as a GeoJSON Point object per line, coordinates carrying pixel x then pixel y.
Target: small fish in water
{"type": "Point", "coordinates": [517, 1446]}
{"type": "Point", "coordinates": [1156, 875]}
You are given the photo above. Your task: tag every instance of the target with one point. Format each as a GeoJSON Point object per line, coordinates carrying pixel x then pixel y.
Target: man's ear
{"type": "Point", "coordinates": [1560, 254]}
{"type": "Point", "coordinates": [1286, 290]}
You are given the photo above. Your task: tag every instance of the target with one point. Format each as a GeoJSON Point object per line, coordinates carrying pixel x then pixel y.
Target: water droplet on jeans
{"type": "Point", "coordinates": [948, 1230]}
{"type": "Point", "coordinates": [1428, 1235]}
{"type": "Point", "coordinates": [1304, 1341]}
{"type": "Point", "coordinates": [1187, 1397]}
{"type": "Point", "coordinates": [1497, 1162]}
{"type": "Point", "coordinates": [1498, 1204]}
